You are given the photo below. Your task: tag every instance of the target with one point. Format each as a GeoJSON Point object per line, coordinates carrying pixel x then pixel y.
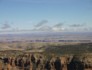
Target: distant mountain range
{"type": "Point", "coordinates": [47, 37]}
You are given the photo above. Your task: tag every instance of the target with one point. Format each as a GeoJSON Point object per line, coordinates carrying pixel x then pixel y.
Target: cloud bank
{"type": "Point", "coordinates": [43, 22]}
{"type": "Point", "coordinates": [5, 26]}
{"type": "Point", "coordinates": [44, 26]}
{"type": "Point", "coordinates": [77, 25]}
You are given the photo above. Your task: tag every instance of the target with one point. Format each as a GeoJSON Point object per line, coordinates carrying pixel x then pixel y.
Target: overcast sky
{"type": "Point", "coordinates": [45, 15]}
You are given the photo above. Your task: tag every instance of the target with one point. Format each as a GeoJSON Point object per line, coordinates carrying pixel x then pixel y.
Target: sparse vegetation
{"type": "Point", "coordinates": [80, 51]}
{"type": "Point", "coordinates": [70, 49]}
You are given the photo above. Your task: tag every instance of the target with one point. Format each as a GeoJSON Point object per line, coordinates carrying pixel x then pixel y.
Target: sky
{"type": "Point", "coordinates": [45, 15]}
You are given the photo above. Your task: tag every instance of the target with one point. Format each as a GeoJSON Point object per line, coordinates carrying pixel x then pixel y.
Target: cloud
{"type": "Point", "coordinates": [59, 29]}
{"type": "Point", "coordinates": [58, 25]}
{"type": "Point", "coordinates": [77, 25]}
{"type": "Point", "coordinates": [45, 28]}
{"type": "Point", "coordinates": [43, 22]}
{"type": "Point", "coordinates": [42, 27]}
{"type": "Point", "coordinates": [5, 26]}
